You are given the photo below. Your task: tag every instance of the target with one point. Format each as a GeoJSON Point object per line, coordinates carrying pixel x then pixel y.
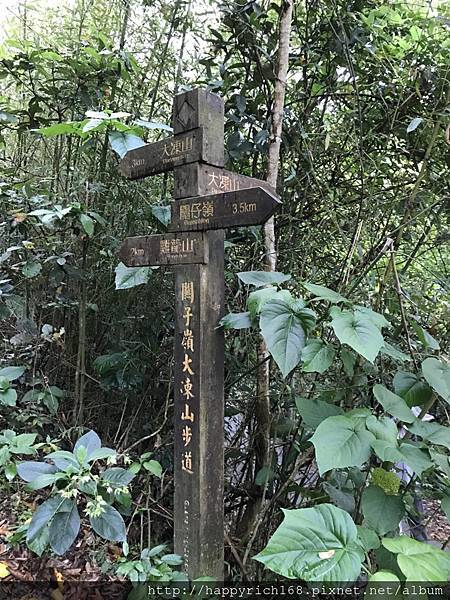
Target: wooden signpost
{"type": "Point", "coordinates": [207, 199]}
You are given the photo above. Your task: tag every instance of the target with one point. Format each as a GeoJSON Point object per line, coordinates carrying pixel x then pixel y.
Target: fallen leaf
{"type": "Point", "coordinates": [59, 578]}
{"type": "Point", "coordinates": [4, 571]}
{"type": "Point", "coordinates": [56, 595]}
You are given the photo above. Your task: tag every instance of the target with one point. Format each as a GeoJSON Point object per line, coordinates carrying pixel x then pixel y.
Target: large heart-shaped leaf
{"type": "Point", "coordinates": [317, 357]}
{"type": "Point", "coordinates": [382, 512]}
{"type": "Point", "coordinates": [357, 330]}
{"type": "Point", "coordinates": [314, 544]}
{"type": "Point", "coordinates": [130, 277]}
{"type": "Point", "coordinates": [284, 330]}
{"type": "Point", "coordinates": [122, 143]}
{"type": "Point", "coordinates": [342, 442]}
{"type": "Point", "coordinates": [419, 561]}
{"type": "Point", "coordinates": [437, 373]}
{"type": "Point", "coordinates": [260, 278]}
{"type": "Point", "coordinates": [314, 411]}
{"type": "Point", "coordinates": [64, 529]}
{"type": "Point", "coordinates": [109, 525]}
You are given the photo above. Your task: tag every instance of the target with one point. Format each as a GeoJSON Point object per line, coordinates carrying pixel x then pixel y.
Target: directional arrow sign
{"type": "Point", "coordinates": [252, 206]}
{"type": "Point", "coordinates": [162, 156]}
{"type": "Point", "coordinates": [168, 249]}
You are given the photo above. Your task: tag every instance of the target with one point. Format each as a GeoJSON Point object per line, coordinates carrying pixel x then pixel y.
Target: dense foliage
{"type": "Point", "coordinates": [356, 318]}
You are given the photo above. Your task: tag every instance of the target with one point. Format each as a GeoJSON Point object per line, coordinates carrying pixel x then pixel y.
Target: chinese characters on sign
{"type": "Point", "coordinates": [189, 212]}
{"type": "Point", "coordinates": [222, 183]}
{"type": "Point", "coordinates": [187, 342]}
{"type": "Point", "coordinates": [176, 246]}
{"type": "Point", "coordinates": [176, 147]}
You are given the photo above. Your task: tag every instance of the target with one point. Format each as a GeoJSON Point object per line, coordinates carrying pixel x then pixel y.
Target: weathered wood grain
{"type": "Point", "coordinates": [251, 206]}
{"type": "Point", "coordinates": [167, 249]}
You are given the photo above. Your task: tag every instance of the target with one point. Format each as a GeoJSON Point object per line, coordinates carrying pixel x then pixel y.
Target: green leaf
{"type": "Point", "coordinates": [236, 321]}
{"type": "Point", "coordinates": [418, 460]}
{"type": "Point", "coordinates": [368, 539]}
{"type": "Point", "coordinates": [101, 453]}
{"type": "Point", "coordinates": [393, 404]}
{"type": "Point", "coordinates": [12, 373]}
{"type": "Point", "coordinates": [383, 428]}
{"type": "Point", "coordinates": [341, 442]}
{"type": "Point", "coordinates": [348, 360]}
{"type": "Point", "coordinates": [437, 373]}
{"type": "Point", "coordinates": [394, 353]}
{"type": "Point", "coordinates": [358, 331]}
{"type": "Point", "coordinates": [152, 125]}
{"type": "Point", "coordinates": [264, 475]}
{"type": "Point", "coordinates": [382, 512]}
{"type": "Point", "coordinates": [87, 224]}
{"type": "Point", "coordinates": [64, 529]}
{"type": "Point", "coordinates": [153, 467]}
{"type": "Point", "coordinates": [117, 477]}
{"type": "Point", "coordinates": [31, 269]}
{"type": "Point", "coordinates": [258, 298]}
{"type": "Point", "coordinates": [317, 357]}
{"type": "Point", "coordinates": [58, 129]}
{"type": "Point", "coordinates": [172, 559]}
{"type": "Point", "coordinates": [130, 277]}
{"type": "Point", "coordinates": [411, 389]}
{"type": "Point", "coordinates": [43, 515]}
{"type": "Point", "coordinates": [109, 525]}
{"type": "Point", "coordinates": [434, 433]}
{"type": "Point", "coordinates": [414, 124]}
{"type": "Point", "coordinates": [39, 543]}
{"type": "Point", "coordinates": [324, 293]}
{"type": "Point", "coordinates": [313, 412]}
{"type": "Point", "coordinates": [445, 506]}
{"type": "Point", "coordinates": [260, 278]}
{"type": "Point", "coordinates": [63, 459]}
{"type": "Point", "coordinates": [162, 213]}
{"type": "Point", "coordinates": [122, 143]}
{"type": "Point", "coordinates": [8, 397]}
{"type": "Point", "coordinates": [284, 332]}
{"type": "Point", "coordinates": [419, 561]}
{"type": "Point", "coordinates": [314, 544]}
{"type": "Point", "coordinates": [376, 318]}
{"type": "Point", "coordinates": [90, 441]}
{"type": "Point", "coordinates": [30, 470]}
{"type": "Point", "coordinates": [426, 339]}
{"type": "Point", "coordinates": [44, 481]}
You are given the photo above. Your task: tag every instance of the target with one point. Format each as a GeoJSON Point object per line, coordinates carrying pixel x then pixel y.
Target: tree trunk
{"type": "Point", "coordinates": [262, 404]}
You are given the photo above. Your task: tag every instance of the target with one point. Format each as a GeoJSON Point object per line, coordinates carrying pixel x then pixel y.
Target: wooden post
{"type": "Point", "coordinates": [198, 373]}
{"type": "Point", "coordinates": [207, 199]}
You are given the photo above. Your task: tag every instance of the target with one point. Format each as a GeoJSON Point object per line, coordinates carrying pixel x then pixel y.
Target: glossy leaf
{"type": "Point", "coordinates": [341, 442]}
{"type": "Point", "coordinates": [314, 544]}
{"type": "Point", "coordinates": [358, 331]}
{"type": "Point", "coordinates": [109, 525]}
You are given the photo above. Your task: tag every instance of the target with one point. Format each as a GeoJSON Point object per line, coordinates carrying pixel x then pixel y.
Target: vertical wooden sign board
{"type": "Point", "coordinates": [207, 199]}
{"type": "Point", "coordinates": [199, 364]}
